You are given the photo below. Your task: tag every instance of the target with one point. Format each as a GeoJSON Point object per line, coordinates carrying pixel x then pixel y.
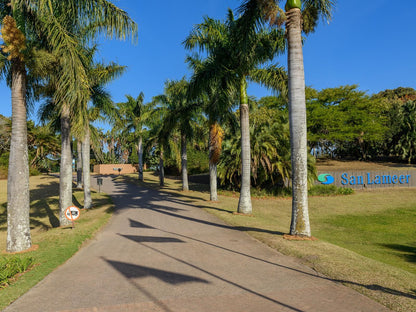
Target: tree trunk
{"type": "Point", "coordinates": [184, 164]}
{"type": "Point", "coordinates": [79, 164]}
{"type": "Point", "coordinates": [213, 196]}
{"type": "Point", "coordinates": [161, 170]}
{"type": "Point", "coordinates": [65, 175]}
{"type": "Point", "coordinates": [86, 168]}
{"type": "Point", "coordinates": [297, 119]}
{"type": "Point", "coordinates": [140, 154]}
{"type": "Point", "coordinates": [244, 203]}
{"type": "Point", "coordinates": [18, 201]}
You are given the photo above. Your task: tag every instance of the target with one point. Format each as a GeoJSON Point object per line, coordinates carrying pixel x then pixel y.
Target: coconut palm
{"type": "Point", "coordinates": [297, 11]}
{"type": "Point", "coordinates": [235, 54]}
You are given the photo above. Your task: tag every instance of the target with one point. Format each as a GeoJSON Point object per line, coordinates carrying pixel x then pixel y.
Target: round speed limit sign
{"type": "Point", "coordinates": [72, 213]}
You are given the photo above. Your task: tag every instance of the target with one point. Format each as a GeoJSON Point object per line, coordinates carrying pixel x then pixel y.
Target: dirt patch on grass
{"type": "Point", "coordinates": [339, 165]}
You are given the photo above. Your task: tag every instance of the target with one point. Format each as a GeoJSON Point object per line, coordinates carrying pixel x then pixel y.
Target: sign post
{"type": "Point", "coordinates": [99, 183]}
{"type": "Point", "coordinates": [72, 213]}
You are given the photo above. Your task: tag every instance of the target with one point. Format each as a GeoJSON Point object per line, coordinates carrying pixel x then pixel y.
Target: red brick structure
{"type": "Point", "coordinates": [114, 169]}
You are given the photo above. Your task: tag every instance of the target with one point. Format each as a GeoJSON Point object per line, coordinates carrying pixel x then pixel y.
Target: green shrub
{"type": "Point", "coordinates": [34, 172]}
{"type": "Point", "coordinates": [10, 266]}
{"type": "Point", "coordinates": [328, 190]}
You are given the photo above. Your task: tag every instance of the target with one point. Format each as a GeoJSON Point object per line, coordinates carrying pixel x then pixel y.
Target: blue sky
{"type": "Point", "coordinates": [369, 43]}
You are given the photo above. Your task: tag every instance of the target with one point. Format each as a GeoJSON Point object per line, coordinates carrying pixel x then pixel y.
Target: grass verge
{"type": "Point", "coordinates": [365, 240]}
{"type": "Point", "coordinates": [56, 245]}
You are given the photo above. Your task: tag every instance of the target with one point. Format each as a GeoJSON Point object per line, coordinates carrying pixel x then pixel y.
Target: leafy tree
{"type": "Point", "coordinates": [345, 121]}
{"type": "Point", "coordinates": [406, 146]}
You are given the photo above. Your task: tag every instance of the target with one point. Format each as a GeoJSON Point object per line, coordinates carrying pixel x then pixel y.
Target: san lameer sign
{"type": "Point", "coordinates": [371, 179]}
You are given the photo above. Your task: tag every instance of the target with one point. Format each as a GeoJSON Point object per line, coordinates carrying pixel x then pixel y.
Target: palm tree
{"type": "Point", "coordinates": [18, 229]}
{"type": "Point", "coordinates": [72, 90]}
{"type": "Point", "coordinates": [218, 106]}
{"type": "Point", "coordinates": [135, 118]}
{"type": "Point", "coordinates": [99, 75]}
{"type": "Point", "coordinates": [235, 54]}
{"type": "Point", "coordinates": [43, 142]}
{"type": "Point", "coordinates": [179, 114]}
{"type": "Point", "coordinates": [49, 19]}
{"type": "Point", "coordinates": [312, 10]}
{"type": "Point", "coordinates": [20, 64]}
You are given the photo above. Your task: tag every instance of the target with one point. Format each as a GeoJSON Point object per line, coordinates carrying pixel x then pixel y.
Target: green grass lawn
{"type": "Point", "coordinates": [388, 236]}
{"type": "Point", "coordinates": [56, 245]}
{"type": "Point", "coordinates": [366, 240]}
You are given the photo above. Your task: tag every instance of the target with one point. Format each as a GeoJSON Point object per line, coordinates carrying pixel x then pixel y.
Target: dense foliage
{"type": "Point", "coordinates": [347, 123]}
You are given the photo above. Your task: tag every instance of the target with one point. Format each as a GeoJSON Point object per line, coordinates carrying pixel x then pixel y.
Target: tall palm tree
{"type": "Point", "coordinates": [72, 90]}
{"type": "Point", "coordinates": [308, 11]}
{"type": "Point", "coordinates": [135, 119]}
{"type": "Point", "coordinates": [20, 64]}
{"type": "Point", "coordinates": [218, 106]}
{"type": "Point", "coordinates": [180, 112]}
{"type": "Point", "coordinates": [235, 55]}
{"type": "Point", "coordinates": [99, 75]}
{"type": "Point", "coordinates": [50, 19]}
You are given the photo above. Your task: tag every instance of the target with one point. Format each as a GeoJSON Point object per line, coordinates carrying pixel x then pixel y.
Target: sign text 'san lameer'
{"type": "Point", "coordinates": [368, 179]}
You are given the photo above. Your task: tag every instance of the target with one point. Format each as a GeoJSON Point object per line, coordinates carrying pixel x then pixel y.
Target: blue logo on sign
{"type": "Point", "coordinates": [326, 178]}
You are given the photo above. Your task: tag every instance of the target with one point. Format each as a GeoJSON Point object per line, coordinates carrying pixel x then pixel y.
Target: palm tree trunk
{"type": "Point", "coordinates": [213, 196]}
{"type": "Point", "coordinates": [244, 203]}
{"type": "Point", "coordinates": [86, 168]}
{"type": "Point", "coordinates": [79, 164]}
{"type": "Point", "coordinates": [18, 201]}
{"type": "Point", "coordinates": [65, 175]}
{"type": "Point", "coordinates": [297, 119]}
{"type": "Point", "coordinates": [184, 163]}
{"type": "Point", "coordinates": [140, 154]}
{"type": "Point", "coordinates": [161, 169]}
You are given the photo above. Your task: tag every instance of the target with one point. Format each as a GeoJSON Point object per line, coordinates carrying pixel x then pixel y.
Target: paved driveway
{"type": "Point", "coordinates": [159, 253]}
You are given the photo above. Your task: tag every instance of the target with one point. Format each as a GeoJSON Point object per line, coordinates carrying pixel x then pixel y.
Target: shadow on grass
{"type": "Point", "coordinates": [403, 251]}
{"type": "Point", "coordinates": [43, 199]}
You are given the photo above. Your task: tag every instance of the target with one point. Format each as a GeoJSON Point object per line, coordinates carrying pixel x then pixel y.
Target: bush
{"type": "Point", "coordinates": [328, 190]}
{"type": "Point", "coordinates": [34, 172]}
{"type": "Point", "coordinates": [10, 266]}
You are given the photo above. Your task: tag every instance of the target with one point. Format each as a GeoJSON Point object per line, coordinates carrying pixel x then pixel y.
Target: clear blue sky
{"type": "Point", "coordinates": [369, 43]}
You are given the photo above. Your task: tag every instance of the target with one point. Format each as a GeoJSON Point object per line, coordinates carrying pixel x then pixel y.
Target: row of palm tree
{"type": "Point", "coordinates": [48, 53]}
{"type": "Point", "coordinates": [45, 53]}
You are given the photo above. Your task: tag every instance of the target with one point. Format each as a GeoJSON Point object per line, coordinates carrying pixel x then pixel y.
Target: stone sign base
{"type": "Point", "coordinates": [115, 169]}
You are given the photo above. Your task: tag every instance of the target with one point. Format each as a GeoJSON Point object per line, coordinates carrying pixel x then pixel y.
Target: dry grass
{"type": "Point", "coordinates": [390, 285]}
{"type": "Point", "coordinates": [336, 165]}
{"type": "Point", "coordinates": [56, 244]}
